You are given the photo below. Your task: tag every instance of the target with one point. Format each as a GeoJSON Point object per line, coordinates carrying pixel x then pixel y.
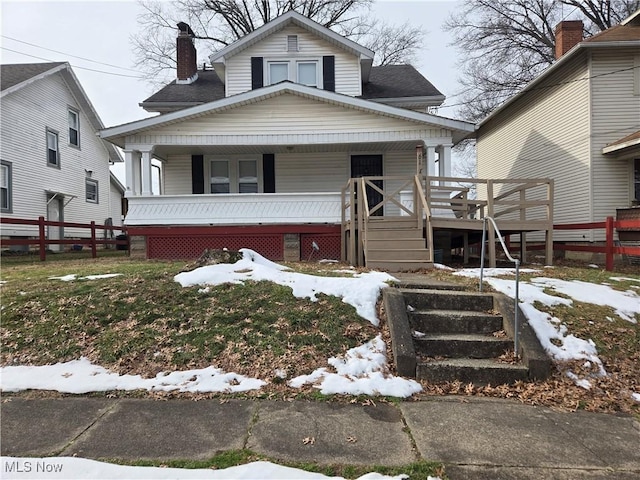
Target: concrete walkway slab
{"type": "Point", "coordinates": [495, 433]}
{"type": "Point", "coordinates": [466, 472]}
{"type": "Point", "coordinates": [43, 427]}
{"type": "Point", "coordinates": [330, 433]}
{"type": "Point", "coordinates": [166, 430]}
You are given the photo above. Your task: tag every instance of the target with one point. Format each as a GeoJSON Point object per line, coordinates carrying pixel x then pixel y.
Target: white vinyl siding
{"type": "Point", "coordinates": [310, 47]}
{"type": "Point", "coordinates": [546, 135]}
{"type": "Point", "coordinates": [311, 172]}
{"type": "Point", "coordinates": [177, 175]}
{"type": "Point", "coordinates": [25, 116]}
{"type": "Point", "coordinates": [615, 114]}
{"type": "Point", "coordinates": [281, 115]}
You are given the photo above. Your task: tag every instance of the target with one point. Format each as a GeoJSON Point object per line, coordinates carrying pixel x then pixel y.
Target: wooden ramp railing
{"type": "Point", "coordinates": [425, 204]}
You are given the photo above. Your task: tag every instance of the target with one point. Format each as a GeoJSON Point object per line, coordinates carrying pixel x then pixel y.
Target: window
{"type": "Point", "coordinates": [74, 128]}
{"type": "Point", "coordinates": [53, 154]}
{"type": "Point", "coordinates": [220, 181]}
{"type": "Point", "coordinates": [91, 190]}
{"type": "Point", "coordinates": [308, 73]}
{"type": "Point", "coordinates": [5, 187]}
{"type": "Point", "coordinates": [247, 176]}
{"type": "Point", "coordinates": [235, 175]}
{"type": "Point", "coordinates": [278, 72]}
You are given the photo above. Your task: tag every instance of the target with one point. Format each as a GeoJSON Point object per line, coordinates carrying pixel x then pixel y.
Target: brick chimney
{"type": "Point", "coordinates": [568, 35]}
{"type": "Point", "coordinates": [186, 55]}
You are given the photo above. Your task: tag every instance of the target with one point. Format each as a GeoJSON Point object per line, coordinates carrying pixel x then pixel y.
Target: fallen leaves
{"type": "Point", "coordinates": [309, 440]}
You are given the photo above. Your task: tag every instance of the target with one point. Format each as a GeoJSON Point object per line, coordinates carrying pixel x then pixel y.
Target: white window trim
{"type": "Point", "coordinates": [8, 177]}
{"type": "Point", "coordinates": [88, 181]}
{"type": "Point", "coordinates": [57, 135]}
{"type": "Point", "coordinates": [292, 62]}
{"type": "Point", "coordinates": [234, 180]}
{"type": "Point", "coordinates": [77, 114]}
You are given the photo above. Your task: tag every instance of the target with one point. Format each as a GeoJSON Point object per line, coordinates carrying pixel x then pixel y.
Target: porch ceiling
{"type": "Point", "coordinates": [162, 151]}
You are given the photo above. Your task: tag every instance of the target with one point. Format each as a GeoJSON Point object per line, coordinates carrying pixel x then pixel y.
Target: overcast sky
{"type": "Point", "coordinates": [100, 30]}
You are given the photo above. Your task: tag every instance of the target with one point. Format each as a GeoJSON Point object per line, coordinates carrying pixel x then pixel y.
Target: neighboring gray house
{"type": "Point", "coordinates": [52, 162]}
{"type": "Point", "coordinates": [255, 153]}
{"type": "Point", "coordinates": [577, 123]}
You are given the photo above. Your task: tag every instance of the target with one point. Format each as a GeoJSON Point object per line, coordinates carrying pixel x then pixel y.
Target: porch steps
{"type": "Point", "coordinates": [395, 244]}
{"type": "Point", "coordinates": [444, 336]}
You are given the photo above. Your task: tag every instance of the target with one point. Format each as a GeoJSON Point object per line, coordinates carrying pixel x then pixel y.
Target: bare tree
{"type": "Point", "coordinates": [506, 43]}
{"type": "Point", "coordinates": [217, 23]}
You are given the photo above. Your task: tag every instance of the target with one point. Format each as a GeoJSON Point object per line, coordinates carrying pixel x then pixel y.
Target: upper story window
{"type": "Point", "coordinates": [278, 72]}
{"type": "Point", "coordinates": [74, 128]}
{"type": "Point", "coordinates": [91, 190]}
{"type": "Point", "coordinates": [305, 72]}
{"type": "Point", "coordinates": [5, 187]}
{"type": "Point", "coordinates": [247, 176]}
{"type": "Point", "coordinates": [53, 152]}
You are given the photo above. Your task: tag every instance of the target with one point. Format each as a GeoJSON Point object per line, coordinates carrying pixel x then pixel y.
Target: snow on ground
{"type": "Point", "coordinates": [25, 468]}
{"type": "Point", "coordinates": [551, 332]}
{"type": "Point", "coordinates": [74, 276]}
{"type": "Point", "coordinates": [362, 371]}
{"type": "Point", "coordinates": [81, 376]}
{"type": "Point", "coordinates": [361, 291]}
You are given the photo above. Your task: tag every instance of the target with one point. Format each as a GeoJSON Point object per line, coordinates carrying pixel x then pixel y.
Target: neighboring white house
{"type": "Point", "coordinates": [52, 162]}
{"type": "Point", "coordinates": [577, 123]}
{"type": "Point", "coordinates": [256, 151]}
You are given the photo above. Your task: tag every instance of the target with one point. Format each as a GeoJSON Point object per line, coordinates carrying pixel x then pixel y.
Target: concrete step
{"type": "Point", "coordinates": [454, 321]}
{"type": "Point", "coordinates": [459, 345]}
{"type": "Point", "coordinates": [467, 370]}
{"type": "Point", "coordinates": [399, 265]}
{"type": "Point", "coordinates": [420, 299]}
{"type": "Point", "coordinates": [407, 254]}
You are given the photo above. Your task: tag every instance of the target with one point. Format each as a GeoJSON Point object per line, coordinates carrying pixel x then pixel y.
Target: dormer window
{"type": "Point", "coordinates": [292, 43]}
{"type": "Point", "coordinates": [278, 72]}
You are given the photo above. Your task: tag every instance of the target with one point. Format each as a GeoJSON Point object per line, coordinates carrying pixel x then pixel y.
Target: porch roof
{"type": "Point", "coordinates": [117, 134]}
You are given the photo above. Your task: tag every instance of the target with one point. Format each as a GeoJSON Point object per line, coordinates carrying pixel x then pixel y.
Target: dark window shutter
{"type": "Point", "coordinates": [197, 174]}
{"type": "Point", "coordinates": [257, 73]}
{"type": "Point", "coordinates": [269, 173]}
{"type": "Point", "coordinates": [329, 73]}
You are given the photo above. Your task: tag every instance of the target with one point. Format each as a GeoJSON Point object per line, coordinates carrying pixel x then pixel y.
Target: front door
{"type": "Point", "coordinates": [55, 214]}
{"type": "Point", "coordinates": [369, 166]}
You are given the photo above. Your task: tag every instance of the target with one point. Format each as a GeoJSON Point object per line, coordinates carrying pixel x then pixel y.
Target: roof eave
{"type": "Point", "coordinates": [618, 147]}
{"type": "Point", "coordinates": [423, 101]}
{"type": "Point", "coordinates": [33, 79]}
{"type": "Point", "coordinates": [116, 134]}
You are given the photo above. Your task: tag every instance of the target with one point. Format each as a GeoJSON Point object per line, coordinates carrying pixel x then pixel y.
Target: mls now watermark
{"type": "Point", "coordinates": [29, 466]}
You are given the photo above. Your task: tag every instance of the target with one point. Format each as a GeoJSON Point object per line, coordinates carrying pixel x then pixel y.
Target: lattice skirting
{"type": "Point", "coordinates": [180, 243]}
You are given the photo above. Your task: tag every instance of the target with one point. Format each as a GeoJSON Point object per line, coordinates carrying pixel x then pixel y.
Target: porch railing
{"type": "Point", "coordinates": [448, 203]}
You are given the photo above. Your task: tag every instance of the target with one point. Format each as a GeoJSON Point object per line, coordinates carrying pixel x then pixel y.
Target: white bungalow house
{"type": "Point", "coordinates": [52, 162]}
{"type": "Point", "coordinates": [577, 123]}
{"type": "Point", "coordinates": [256, 151]}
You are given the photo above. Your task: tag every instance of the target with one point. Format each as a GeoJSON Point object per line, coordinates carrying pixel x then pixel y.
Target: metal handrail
{"type": "Point", "coordinates": [516, 261]}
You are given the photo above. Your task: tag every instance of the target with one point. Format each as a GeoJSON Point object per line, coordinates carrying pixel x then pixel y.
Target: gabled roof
{"type": "Point", "coordinates": [291, 17]}
{"type": "Point", "coordinates": [390, 84]}
{"type": "Point", "coordinates": [117, 134]}
{"type": "Point", "coordinates": [626, 34]}
{"type": "Point", "coordinates": [14, 77]}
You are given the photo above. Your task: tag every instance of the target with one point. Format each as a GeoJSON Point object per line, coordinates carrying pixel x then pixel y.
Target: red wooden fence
{"type": "Point", "coordinates": [42, 241]}
{"type": "Point", "coordinates": [609, 249]}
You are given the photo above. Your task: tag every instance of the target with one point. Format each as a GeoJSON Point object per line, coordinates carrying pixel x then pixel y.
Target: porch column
{"type": "Point", "coordinates": [444, 161]}
{"type": "Point", "coordinates": [137, 174]}
{"type": "Point", "coordinates": [131, 161]}
{"type": "Point", "coordinates": [431, 161]}
{"type": "Point", "coordinates": [146, 173]}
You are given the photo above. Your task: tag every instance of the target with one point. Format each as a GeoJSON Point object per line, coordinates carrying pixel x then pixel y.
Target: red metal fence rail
{"type": "Point", "coordinates": [42, 241]}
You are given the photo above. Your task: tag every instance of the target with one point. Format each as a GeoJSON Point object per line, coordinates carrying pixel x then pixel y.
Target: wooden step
{"type": "Point", "coordinates": [392, 234]}
{"type": "Point", "coordinates": [387, 223]}
{"type": "Point", "coordinates": [395, 244]}
{"type": "Point", "coordinates": [399, 265]}
{"type": "Point", "coordinates": [408, 254]}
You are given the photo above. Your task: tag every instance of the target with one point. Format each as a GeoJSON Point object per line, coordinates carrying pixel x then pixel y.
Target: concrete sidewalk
{"type": "Point", "coordinates": [474, 438]}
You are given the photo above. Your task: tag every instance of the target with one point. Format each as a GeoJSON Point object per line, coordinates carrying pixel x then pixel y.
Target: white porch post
{"type": "Point", "coordinates": [146, 173]}
{"type": "Point", "coordinates": [431, 160]}
{"type": "Point", "coordinates": [444, 161]}
{"type": "Point", "coordinates": [137, 174]}
{"type": "Point", "coordinates": [132, 174]}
